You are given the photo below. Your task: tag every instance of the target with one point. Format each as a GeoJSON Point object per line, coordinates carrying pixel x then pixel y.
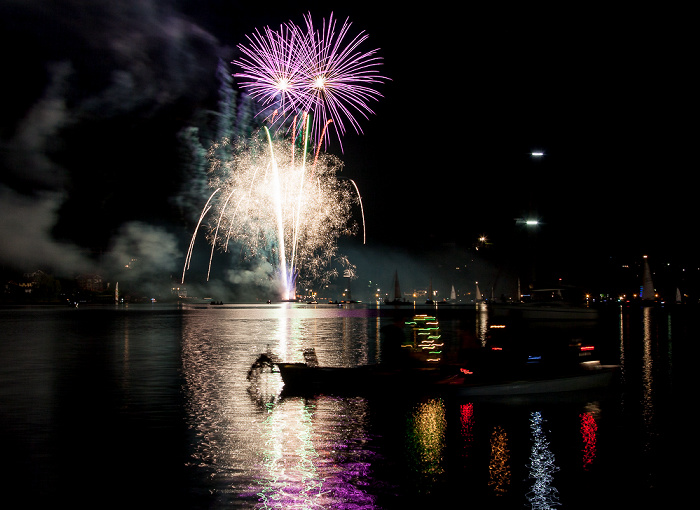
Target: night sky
{"type": "Point", "coordinates": [96, 93]}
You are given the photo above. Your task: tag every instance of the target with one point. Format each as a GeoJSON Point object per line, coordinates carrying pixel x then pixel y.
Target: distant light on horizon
{"type": "Point", "coordinates": [532, 222]}
{"type": "Point", "coordinates": [537, 154]}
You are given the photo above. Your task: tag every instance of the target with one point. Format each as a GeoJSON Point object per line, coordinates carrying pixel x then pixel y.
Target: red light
{"type": "Point", "coordinates": [587, 348]}
{"type": "Point", "coordinates": [496, 348]}
{"type": "Point", "coordinates": [465, 371]}
{"type": "Point", "coordinates": [588, 431]}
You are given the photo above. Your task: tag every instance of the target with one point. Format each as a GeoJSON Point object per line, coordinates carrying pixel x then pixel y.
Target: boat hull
{"type": "Point", "coordinates": [587, 379]}
{"type": "Point", "coordinates": [301, 378]}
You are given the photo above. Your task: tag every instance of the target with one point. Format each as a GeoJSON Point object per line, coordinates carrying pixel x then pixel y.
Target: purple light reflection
{"type": "Point", "coordinates": [316, 455]}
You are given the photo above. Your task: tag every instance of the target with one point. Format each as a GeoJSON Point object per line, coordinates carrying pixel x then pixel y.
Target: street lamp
{"type": "Point", "coordinates": [528, 222]}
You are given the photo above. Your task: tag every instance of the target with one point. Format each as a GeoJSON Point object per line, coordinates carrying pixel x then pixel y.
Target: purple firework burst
{"type": "Point", "coordinates": [270, 65]}
{"type": "Point", "coordinates": [293, 72]}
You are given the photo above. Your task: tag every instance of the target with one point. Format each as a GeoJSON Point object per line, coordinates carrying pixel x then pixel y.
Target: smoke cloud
{"type": "Point", "coordinates": [25, 231]}
{"type": "Point", "coordinates": [106, 62]}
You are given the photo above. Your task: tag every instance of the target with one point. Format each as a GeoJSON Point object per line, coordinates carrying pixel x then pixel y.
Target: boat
{"type": "Point", "coordinates": [300, 378]}
{"type": "Point", "coordinates": [457, 380]}
{"type": "Point", "coordinates": [648, 292]}
{"type": "Point", "coordinates": [587, 376]}
{"type": "Point", "coordinates": [546, 304]}
{"type": "Point", "coordinates": [398, 299]}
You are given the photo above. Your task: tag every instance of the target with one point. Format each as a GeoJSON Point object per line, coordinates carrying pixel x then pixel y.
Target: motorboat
{"type": "Point", "coordinates": [587, 375]}
{"type": "Point", "coordinates": [463, 379]}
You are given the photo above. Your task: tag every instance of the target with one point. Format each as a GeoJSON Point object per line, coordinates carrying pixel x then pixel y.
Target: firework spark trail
{"type": "Point", "coordinates": [301, 190]}
{"type": "Point", "coordinates": [273, 208]}
{"type": "Point", "coordinates": [362, 211]}
{"type": "Point", "coordinates": [216, 232]}
{"type": "Point", "coordinates": [318, 149]}
{"type": "Point", "coordinates": [311, 71]}
{"type": "Point", "coordinates": [338, 75]}
{"type": "Point", "coordinates": [270, 67]}
{"type": "Point", "coordinates": [188, 259]}
{"type": "Point", "coordinates": [281, 213]}
{"type": "Point", "coordinates": [277, 201]}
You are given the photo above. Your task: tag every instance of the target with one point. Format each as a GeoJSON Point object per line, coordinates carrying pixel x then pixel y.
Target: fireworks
{"type": "Point", "coordinates": [266, 196]}
{"type": "Point", "coordinates": [294, 71]}
{"type": "Point", "coordinates": [269, 200]}
{"type": "Point", "coordinates": [271, 67]}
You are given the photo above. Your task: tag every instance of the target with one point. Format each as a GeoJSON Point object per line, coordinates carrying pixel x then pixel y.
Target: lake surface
{"type": "Point", "coordinates": [150, 407]}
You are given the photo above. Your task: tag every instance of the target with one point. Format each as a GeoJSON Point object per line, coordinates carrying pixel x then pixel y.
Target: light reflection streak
{"type": "Point", "coordinates": [253, 446]}
{"type": "Point", "coordinates": [126, 373]}
{"type": "Point", "coordinates": [426, 343]}
{"type": "Point", "coordinates": [466, 418]}
{"type": "Point", "coordinates": [622, 348]}
{"type": "Point", "coordinates": [289, 477]}
{"type": "Point", "coordinates": [499, 467]}
{"type": "Point", "coordinates": [309, 464]}
{"type": "Point", "coordinates": [543, 495]}
{"type": "Point", "coordinates": [589, 428]}
{"type": "Point", "coordinates": [482, 323]}
{"type": "Point", "coordinates": [426, 441]}
{"type": "Point", "coordinates": [647, 375]}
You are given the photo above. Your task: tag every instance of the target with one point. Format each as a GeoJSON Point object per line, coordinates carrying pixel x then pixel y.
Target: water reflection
{"type": "Point", "coordinates": [647, 373]}
{"type": "Point", "coordinates": [258, 449]}
{"type": "Point", "coordinates": [543, 495]}
{"type": "Point", "coordinates": [482, 323]}
{"type": "Point", "coordinates": [466, 418]}
{"type": "Point", "coordinates": [314, 455]}
{"type": "Point", "coordinates": [93, 402]}
{"type": "Point", "coordinates": [255, 449]}
{"type": "Point", "coordinates": [426, 426]}
{"type": "Point", "coordinates": [622, 336]}
{"type": "Point", "coordinates": [499, 463]}
{"type": "Point", "coordinates": [589, 428]}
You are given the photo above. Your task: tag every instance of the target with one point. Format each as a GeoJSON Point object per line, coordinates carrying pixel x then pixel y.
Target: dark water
{"type": "Point", "coordinates": [149, 407]}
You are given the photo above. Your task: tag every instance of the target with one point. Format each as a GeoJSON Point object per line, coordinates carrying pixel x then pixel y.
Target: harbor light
{"type": "Point", "coordinates": [530, 222]}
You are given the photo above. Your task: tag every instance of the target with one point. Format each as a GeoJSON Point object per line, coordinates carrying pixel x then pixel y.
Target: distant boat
{"type": "Point", "coordinates": [479, 298]}
{"type": "Point", "coordinates": [430, 301]}
{"type": "Point", "coordinates": [453, 294]}
{"type": "Point", "coordinates": [398, 300]}
{"type": "Point", "coordinates": [648, 293]}
{"type": "Point", "coordinates": [548, 305]}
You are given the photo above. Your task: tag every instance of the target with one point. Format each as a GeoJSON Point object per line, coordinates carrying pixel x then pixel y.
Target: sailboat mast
{"type": "Point", "coordinates": [647, 283]}
{"type": "Point", "coordinates": [397, 288]}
